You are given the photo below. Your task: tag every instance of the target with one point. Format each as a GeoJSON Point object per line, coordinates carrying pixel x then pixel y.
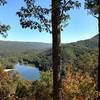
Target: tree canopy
{"type": "Point", "coordinates": [3, 28]}
{"type": "Point", "coordinates": [93, 7]}
{"type": "Point", "coordinates": [34, 16]}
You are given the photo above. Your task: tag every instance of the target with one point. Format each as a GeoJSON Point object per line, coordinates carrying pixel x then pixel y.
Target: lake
{"type": "Point", "coordinates": [27, 72]}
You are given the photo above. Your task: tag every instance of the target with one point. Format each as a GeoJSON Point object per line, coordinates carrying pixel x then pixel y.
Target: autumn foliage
{"type": "Point", "coordinates": [79, 86]}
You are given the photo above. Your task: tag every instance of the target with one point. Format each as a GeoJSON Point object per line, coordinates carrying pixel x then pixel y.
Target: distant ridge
{"type": "Point", "coordinates": [78, 47]}
{"type": "Point", "coordinates": [91, 43]}
{"type": "Point", "coordinates": [13, 46]}
{"type": "Point", "coordinates": [22, 46]}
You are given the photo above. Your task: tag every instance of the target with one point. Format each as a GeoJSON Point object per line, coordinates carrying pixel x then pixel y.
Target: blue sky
{"type": "Point", "coordinates": [81, 25]}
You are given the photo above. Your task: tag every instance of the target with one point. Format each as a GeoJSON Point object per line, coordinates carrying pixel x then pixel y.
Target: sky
{"type": "Point", "coordinates": [81, 25]}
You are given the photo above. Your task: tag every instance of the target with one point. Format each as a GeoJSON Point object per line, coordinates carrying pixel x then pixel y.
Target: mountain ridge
{"type": "Point", "coordinates": [91, 43]}
{"type": "Point", "coordinates": [23, 46]}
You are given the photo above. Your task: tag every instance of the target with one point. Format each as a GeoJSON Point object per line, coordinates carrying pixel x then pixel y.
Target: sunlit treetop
{"type": "Point", "coordinates": [34, 16]}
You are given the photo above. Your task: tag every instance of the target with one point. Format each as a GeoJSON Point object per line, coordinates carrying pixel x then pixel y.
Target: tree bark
{"type": "Point", "coordinates": [98, 3]}
{"type": "Point", "coordinates": [56, 46]}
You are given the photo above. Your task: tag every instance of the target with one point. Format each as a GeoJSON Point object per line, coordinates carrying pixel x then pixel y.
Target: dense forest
{"type": "Point", "coordinates": [67, 71]}
{"type": "Point", "coordinates": [13, 52]}
{"type": "Point", "coordinates": [79, 61]}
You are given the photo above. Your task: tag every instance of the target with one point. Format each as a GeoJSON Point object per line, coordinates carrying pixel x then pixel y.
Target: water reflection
{"type": "Point", "coordinates": [27, 72]}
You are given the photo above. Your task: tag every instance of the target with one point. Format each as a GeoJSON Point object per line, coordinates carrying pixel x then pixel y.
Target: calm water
{"type": "Point", "coordinates": [27, 72]}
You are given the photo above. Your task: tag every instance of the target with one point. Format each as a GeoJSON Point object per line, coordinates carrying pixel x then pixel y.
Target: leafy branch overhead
{"type": "Point", "coordinates": [93, 7]}
{"type": "Point", "coordinates": [2, 2]}
{"type": "Point", "coordinates": [3, 28]}
{"type": "Point", "coordinates": [34, 16]}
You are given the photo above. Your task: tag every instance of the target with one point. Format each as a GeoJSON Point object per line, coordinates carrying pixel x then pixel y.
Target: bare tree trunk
{"type": "Point", "coordinates": [56, 46]}
{"type": "Point", "coordinates": [98, 3]}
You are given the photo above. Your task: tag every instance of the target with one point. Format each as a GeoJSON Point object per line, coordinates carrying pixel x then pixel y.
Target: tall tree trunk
{"type": "Point", "coordinates": [98, 3]}
{"type": "Point", "coordinates": [56, 46]}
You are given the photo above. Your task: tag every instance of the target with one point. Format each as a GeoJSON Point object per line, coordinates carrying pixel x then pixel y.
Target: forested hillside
{"type": "Point", "coordinates": [79, 54]}
{"type": "Point", "coordinates": [13, 46]}
{"type": "Point", "coordinates": [79, 61]}
{"type": "Point", "coordinates": [24, 46]}
{"type": "Point", "coordinates": [76, 52]}
{"type": "Point", "coordinates": [91, 43]}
